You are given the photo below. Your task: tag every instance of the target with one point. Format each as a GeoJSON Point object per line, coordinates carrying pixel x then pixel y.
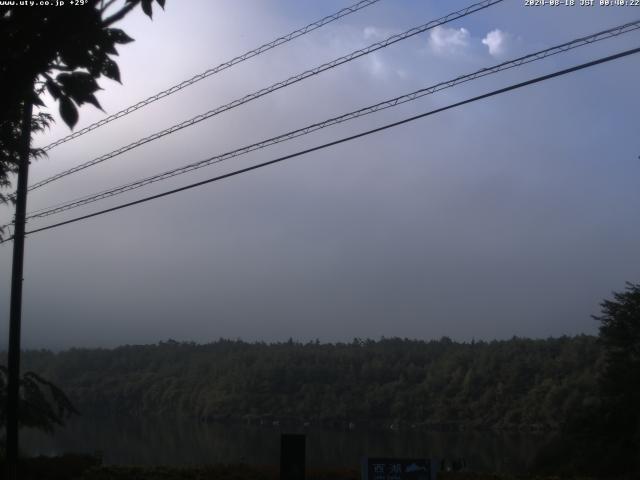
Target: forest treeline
{"type": "Point", "coordinates": [514, 384]}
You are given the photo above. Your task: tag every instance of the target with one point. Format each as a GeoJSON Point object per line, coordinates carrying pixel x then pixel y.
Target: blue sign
{"type": "Point", "coordinates": [396, 469]}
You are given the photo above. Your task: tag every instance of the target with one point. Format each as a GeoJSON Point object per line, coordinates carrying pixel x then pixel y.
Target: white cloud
{"type": "Point", "coordinates": [375, 33]}
{"type": "Point", "coordinates": [376, 66]}
{"type": "Point", "coordinates": [448, 40]}
{"type": "Point", "coordinates": [497, 42]}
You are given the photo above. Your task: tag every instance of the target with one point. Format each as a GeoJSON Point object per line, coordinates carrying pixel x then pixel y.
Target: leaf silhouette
{"type": "Point", "coordinates": [146, 8]}
{"type": "Point", "coordinates": [119, 36]}
{"type": "Point", "coordinates": [110, 70]}
{"type": "Point", "coordinates": [68, 112]}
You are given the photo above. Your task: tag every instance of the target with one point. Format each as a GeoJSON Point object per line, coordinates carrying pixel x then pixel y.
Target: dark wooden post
{"type": "Point", "coordinates": [292, 457]}
{"type": "Point", "coordinates": [15, 316]}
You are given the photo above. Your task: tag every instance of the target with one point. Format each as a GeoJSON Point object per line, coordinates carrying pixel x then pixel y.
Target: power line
{"type": "Point", "coordinates": [276, 86]}
{"type": "Point", "coordinates": [346, 139]}
{"type": "Point", "coordinates": [587, 40]}
{"type": "Point", "coordinates": [212, 71]}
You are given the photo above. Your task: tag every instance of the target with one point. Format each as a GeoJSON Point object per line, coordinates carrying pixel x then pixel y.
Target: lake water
{"type": "Point", "coordinates": [127, 441]}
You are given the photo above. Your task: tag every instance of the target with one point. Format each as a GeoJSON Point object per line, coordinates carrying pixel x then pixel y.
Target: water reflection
{"type": "Point", "coordinates": [128, 441]}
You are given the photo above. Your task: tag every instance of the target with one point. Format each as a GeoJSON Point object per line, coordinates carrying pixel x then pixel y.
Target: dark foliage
{"type": "Point", "coordinates": [603, 436]}
{"type": "Point", "coordinates": [9, 146]}
{"type": "Point", "coordinates": [42, 404]}
{"type": "Point", "coordinates": [65, 467]}
{"type": "Point", "coordinates": [620, 337]}
{"type": "Point", "coordinates": [61, 50]}
{"type": "Point", "coordinates": [515, 384]}
{"type": "Point", "coordinates": [617, 420]}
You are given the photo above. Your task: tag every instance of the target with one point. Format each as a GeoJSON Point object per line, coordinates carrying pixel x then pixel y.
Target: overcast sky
{"type": "Point", "coordinates": [515, 215]}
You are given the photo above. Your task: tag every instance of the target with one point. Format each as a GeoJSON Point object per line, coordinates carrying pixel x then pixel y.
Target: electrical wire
{"type": "Point", "coordinates": [345, 139]}
{"type": "Point", "coordinates": [276, 86]}
{"type": "Point", "coordinates": [212, 71]}
{"type": "Point", "coordinates": [539, 55]}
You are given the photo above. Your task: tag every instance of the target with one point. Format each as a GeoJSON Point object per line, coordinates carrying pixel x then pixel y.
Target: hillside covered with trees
{"type": "Point", "coordinates": [516, 384]}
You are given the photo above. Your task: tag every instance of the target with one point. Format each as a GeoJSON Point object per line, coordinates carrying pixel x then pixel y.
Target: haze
{"type": "Point", "coordinates": [515, 215]}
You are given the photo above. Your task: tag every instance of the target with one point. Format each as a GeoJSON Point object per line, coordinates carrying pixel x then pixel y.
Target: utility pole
{"type": "Point", "coordinates": [13, 387]}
